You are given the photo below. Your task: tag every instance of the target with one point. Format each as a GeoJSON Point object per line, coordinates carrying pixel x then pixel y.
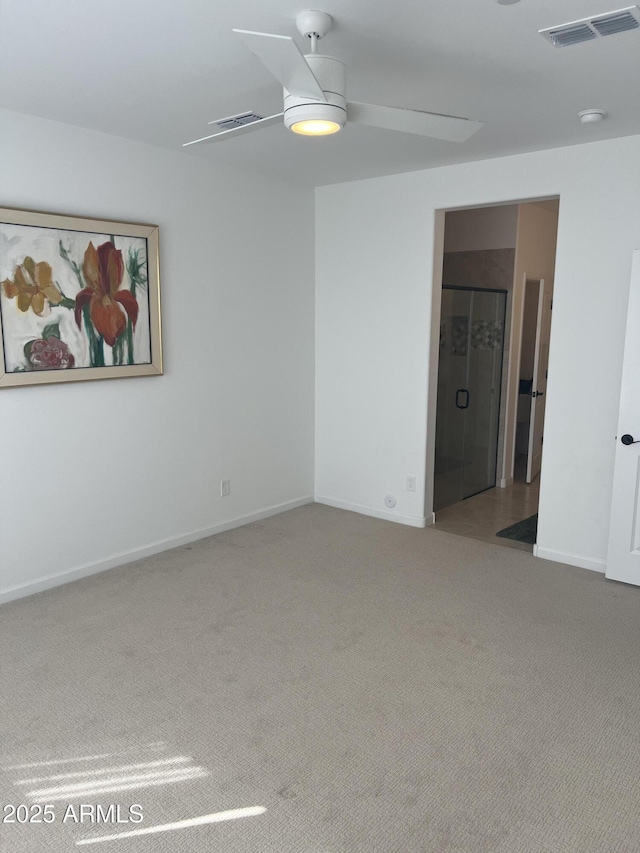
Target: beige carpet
{"type": "Point", "coordinates": [366, 687]}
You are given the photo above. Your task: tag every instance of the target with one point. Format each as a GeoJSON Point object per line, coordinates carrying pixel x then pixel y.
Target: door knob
{"type": "Point", "coordinates": [538, 394]}
{"type": "Point", "coordinates": [628, 439]}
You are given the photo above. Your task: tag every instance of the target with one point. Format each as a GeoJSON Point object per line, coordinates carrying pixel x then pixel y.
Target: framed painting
{"type": "Point", "coordinates": [79, 299]}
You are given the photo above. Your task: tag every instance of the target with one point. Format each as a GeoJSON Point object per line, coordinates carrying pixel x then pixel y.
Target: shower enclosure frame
{"type": "Point", "coordinates": [499, 377]}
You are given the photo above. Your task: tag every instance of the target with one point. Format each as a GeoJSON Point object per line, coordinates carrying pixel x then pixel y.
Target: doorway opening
{"type": "Point", "coordinates": [494, 305]}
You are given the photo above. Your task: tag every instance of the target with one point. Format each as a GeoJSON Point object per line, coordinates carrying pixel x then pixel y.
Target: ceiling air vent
{"type": "Point", "coordinates": [238, 121]}
{"type": "Point", "coordinates": [594, 27]}
{"type": "Point", "coordinates": [619, 22]}
{"type": "Point", "coordinates": [571, 35]}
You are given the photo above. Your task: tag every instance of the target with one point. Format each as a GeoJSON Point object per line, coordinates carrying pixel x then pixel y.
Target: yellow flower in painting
{"type": "Point", "coordinates": [33, 286]}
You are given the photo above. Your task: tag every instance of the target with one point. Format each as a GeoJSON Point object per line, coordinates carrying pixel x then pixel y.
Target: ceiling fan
{"type": "Point", "coordinates": [315, 101]}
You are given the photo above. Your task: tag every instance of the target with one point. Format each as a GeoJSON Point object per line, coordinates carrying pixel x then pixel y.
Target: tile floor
{"type": "Point", "coordinates": [481, 516]}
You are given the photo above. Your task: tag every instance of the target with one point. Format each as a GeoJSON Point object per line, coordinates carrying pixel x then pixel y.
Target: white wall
{"type": "Point", "coordinates": [96, 473]}
{"type": "Point", "coordinates": [374, 270]}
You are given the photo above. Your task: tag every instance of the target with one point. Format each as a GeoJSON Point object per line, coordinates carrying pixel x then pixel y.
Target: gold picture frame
{"type": "Point", "coordinates": [79, 299]}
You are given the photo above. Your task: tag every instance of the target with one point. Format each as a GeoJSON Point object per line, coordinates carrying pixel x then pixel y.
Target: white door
{"type": "Point", "coordinates": [538, 396]}
{"type": "Point", "coordinates": [623, 553]}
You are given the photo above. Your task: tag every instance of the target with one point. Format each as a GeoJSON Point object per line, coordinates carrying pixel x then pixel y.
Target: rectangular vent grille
{"type": "Point", "coordinates": [238, 121]}
{"type": "Point", "coordinates": [615, 24]}
{"type": "Point", "coordinates": [588, 29]}
{"type": "Point", "coordinates": [572, 35]}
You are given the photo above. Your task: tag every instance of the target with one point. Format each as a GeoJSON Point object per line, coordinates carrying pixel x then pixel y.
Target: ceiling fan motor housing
{"type": "Point", "coordinates": [331, 75]}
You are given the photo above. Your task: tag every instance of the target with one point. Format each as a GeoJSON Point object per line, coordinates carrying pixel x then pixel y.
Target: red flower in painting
{"type": "Point", "coordinates": [103, 270]}
{"type": "Point", "coordinates": [50, 354]}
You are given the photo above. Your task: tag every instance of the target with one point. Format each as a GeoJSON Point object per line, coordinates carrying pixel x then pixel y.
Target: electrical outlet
{"type": "Point", "coordinates": [225, 488]}
{"type": "Point", "coordinates": [411, 484]}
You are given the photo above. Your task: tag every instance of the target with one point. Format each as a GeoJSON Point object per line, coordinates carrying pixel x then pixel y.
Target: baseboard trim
{"type": "Point", "coordinates": [429, 520]}
{"type": "Point", "coordinates": [570, 559]}
{"type": "Point", "coordinates": [23, 590]}
{"type": "Point", "coordinates": [410, 520]}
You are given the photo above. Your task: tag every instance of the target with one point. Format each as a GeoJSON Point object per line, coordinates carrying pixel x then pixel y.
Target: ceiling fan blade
{"type": "Point", "coordinates": [449, 128]}
{"type": "Point", "coordinates": [238, 130]}
{"type": "Point", "coordinates": [281, 56]}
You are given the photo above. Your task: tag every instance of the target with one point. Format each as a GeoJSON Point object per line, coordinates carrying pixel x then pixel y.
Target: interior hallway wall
{"type": "Point", "coordinates": [481, 228]}
{"type": "Point", "coordinates": [97, 473]}
{"type": "Point", "coordinates": [374, 371]}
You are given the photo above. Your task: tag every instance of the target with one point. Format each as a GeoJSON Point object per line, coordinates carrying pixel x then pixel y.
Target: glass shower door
{"type": "Point", "coordinates": [469, 378]}
{"type": "Point", "coordinates": [452, 378]}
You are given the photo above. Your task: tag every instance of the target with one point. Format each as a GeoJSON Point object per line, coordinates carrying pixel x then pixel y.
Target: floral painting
{"type": "Point", "coordinates": [77, 302]}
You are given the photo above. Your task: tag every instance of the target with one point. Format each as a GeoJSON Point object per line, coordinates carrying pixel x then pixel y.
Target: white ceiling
{"type": "Point", "coordinates": [159, 70]}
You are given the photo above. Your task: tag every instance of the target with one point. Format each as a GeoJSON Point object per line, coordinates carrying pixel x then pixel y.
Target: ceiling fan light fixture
{"type": "Point", "coordinates": [310, 117]}
{"type": "Point", "coordinates": [313, 119]}
{"type": "Point", "coordinates": [315, 127]}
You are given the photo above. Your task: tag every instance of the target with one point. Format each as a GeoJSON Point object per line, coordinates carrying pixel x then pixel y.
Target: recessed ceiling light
{"type": "Point", "coordinates": [507, 2]}
{"type": "Point", "coordinates": [591, 116]}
